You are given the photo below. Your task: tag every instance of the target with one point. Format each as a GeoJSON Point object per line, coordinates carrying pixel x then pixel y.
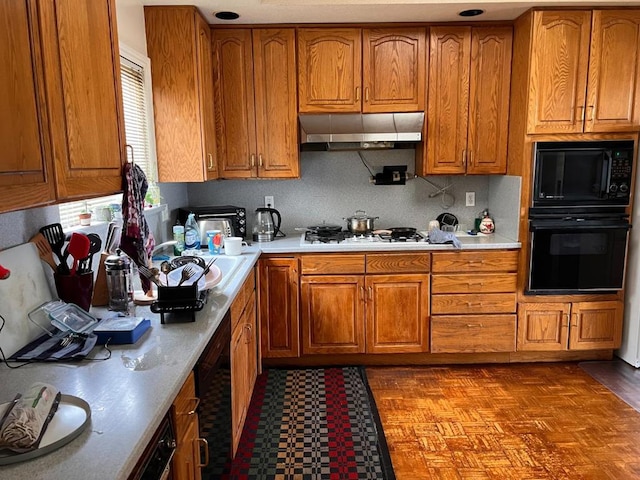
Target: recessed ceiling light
{"type": "Point", "coordinates": [226, 15]}
{"type": "Point", "coordinates": [471, 13]}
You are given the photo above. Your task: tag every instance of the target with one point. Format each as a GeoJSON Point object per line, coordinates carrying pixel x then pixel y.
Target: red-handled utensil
{"type": "Point", "coordinates": [78, 248]}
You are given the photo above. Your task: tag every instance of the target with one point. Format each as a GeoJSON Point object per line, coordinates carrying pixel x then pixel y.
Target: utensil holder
{"type": "Point", "coordinates": [76, 288]}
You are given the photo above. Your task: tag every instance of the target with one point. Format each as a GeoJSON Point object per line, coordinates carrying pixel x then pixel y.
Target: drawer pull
{"type": "Point", "coordinates": [193, 411]}
{"type": "Point", "coordinates": [475, 325]}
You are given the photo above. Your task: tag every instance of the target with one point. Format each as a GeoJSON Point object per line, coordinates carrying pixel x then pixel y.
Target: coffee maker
{"type": "Point", "coordinates": [265, 226]}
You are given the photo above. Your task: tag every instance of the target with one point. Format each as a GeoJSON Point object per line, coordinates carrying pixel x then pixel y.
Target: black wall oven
{"type": "Point", "coordinates": [572, 254]}
{"type": "Point", "coordinates": [578, 219]}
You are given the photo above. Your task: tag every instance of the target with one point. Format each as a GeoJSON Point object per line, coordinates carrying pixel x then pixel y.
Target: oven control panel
{"type": "Point", "coordinates": [620, 173]}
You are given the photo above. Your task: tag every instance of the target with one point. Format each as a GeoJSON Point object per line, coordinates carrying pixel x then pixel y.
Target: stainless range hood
{"type": "Point", "coordinates": [366, 130]}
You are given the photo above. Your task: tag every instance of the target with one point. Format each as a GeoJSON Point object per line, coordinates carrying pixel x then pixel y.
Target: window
{"type": "Point", "coordinates": [138, 115]}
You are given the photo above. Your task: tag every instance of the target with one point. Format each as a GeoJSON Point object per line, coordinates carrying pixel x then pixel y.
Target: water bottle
{"type": "Point", "coordinates": [191, 233]}
{"type": "Point", "coordinates": [178, 236]}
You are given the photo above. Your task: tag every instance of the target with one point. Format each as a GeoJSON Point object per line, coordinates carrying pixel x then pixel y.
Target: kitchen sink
{"type": "Point", "coordinates": [228, 265]}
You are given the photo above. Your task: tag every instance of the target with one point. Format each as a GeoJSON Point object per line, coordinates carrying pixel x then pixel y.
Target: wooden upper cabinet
{"type": "Point", "coordinates": [235, 114]}
{"type": "Point", "coordinates": [329, 70]}
{"type": "Point", "coordinates": [558, 66]}
{"type": "Point", "coordinates": [394, 70]}
{"type": "Point", "coordinates": [62, 125]}
{"type": "Point", "coordinates": [179, 46]}
{"type": "Point", "coordinates": [448, 109]}
{"type": "Point", "coordinates": [354, 70]}
{"type": "Point", "coordinates": [255, 86]}
{"type": "Point", "coordinates": [274, 68]}
{"type": "Point", "coordinates": [85, 109]}
{"type": "Point", "coordinates": [491, 50]}
{"type": "Point", "coordinates": [613, 94]}
{"type": "Point", "coordinates": [468, 107]}
{"type": "Point", "coordinates": [584, 70]}
{"type": "Point", "coordinates": [26, 173]}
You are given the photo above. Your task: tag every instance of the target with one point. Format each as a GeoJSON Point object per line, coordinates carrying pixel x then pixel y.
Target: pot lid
{"type": "Point", "coordinates": [360, 215]}
{"type": "Point", "coordinates": [325, 228]}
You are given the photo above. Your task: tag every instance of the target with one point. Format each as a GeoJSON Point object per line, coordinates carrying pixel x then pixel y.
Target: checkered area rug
{"type": "Point", "coordinates": [311, 424]}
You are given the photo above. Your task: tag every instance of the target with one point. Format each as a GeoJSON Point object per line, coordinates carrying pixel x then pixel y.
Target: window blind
{"type": "Point", "coordinates": [135, 98]}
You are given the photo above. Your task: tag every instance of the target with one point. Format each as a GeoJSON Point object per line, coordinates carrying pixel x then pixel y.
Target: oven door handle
{"type": "Point", "coordinates": [536, 226]}
{"type": "Point", "coordinates": [216, 215]}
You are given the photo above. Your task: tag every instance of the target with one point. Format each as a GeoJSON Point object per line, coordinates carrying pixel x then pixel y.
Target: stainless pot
{"type": "Point", "coordinates": [360, 222]}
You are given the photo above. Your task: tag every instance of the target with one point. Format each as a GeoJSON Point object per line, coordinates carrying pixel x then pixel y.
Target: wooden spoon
{"type": "Point", "coordinates": [44, 249]}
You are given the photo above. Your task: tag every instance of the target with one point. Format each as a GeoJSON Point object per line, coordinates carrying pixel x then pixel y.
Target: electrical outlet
{"type": "Point", "coordinates": [471, 199]}
{"type": "Point", "coordinates": [268, 201]}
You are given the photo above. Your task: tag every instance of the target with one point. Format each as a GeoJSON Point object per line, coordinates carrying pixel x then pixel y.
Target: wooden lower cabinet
{"type": "Point", "coordinates": [244, 357]}
{"type": "Point", "coordinates": [569, 326]}
{"type": "Point", "coordinates": [279, 306]}
{"type": "Point", "coordinates": [379, 312]}
{"type": "Point", "coordinates": [186, 461]}
{"type": "Point", "coordinates": [473, 301]}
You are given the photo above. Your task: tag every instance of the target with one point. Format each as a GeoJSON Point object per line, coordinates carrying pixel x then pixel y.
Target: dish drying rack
{"type": "Point", "coordinates": [179, 302]}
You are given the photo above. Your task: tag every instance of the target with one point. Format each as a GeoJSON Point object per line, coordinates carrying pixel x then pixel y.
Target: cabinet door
{"type": "Point", "coordinates": [448, 104]}
{"type": "Point", "coordinates": [274, 65]}
{"type": "Point", "coordinates": [235, 114]}
{"type": "Point", "coordinates": [613, 96]}
{"type": "Point", "coordinates": [329, 70]}
{"type": "Point", "coordinates": [251, 342]}
{"type": "Point", "coordinates": [558, 69]}
{"type": "Point", "coordinates": [397, 313]}
{"type": "Point", "coordinates": [279, 325]}
{"type": "Point", "coordinates": [393, 70]}
{"type": "Point", "coordinates": [207, 110]}
{"type": "Point", "coordinates": [489, 100]}
{"type": "Point", "coordinates": [85, 108]}
{"type": "Point", "coordinates": [239, 383]}
{"type": "Point", "coordinates": [332, 314]}
{"type": "Point", "coordinates": [185, 464]}
{"type": "Point", "coordinates": [26, 173]}
{"type": "Point", "coordinates": [595, 325]}
{"type": "Point", "coordinates": [543, 326]}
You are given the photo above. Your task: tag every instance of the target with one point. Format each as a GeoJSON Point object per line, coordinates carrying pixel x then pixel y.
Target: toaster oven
{"type": "Point", "coordinates": [230, 219]}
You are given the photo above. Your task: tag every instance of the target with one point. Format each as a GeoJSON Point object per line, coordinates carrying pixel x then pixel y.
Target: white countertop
{"type": "Point", "coordinates": [130, 393]}
{"type": "Point", "coordinates": [291, 244]}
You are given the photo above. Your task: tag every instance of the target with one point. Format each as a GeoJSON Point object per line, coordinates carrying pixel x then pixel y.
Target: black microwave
{"type": "Point", "coordinates": [582, 174]}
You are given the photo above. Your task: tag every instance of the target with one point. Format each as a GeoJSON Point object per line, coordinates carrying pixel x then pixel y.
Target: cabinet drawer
{"type": "Point", "coordinates": [332, 264]}
{"type": "Point", "coordinates": [473, 303]}
{"type": "Point", "coordinates": [244, 294]}
{"type": "Point", "coordinates": [473, 333]}
{"type": "Point", "coordinates": [484, 283]}
{"type": "Point", "coordinates": [467, 262]}
{"type": "Point", "coordinates": [398, 263]}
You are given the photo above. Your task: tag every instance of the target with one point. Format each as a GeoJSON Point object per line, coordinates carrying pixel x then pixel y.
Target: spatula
{"type": "Point", "coordinates": [55, 236]}
{"type": "Point", "coordinates": [44, 250]}
{"type": "Point", "coordinates": [78, 248]}
{"type": "Point", "coordinates": [94, 247]}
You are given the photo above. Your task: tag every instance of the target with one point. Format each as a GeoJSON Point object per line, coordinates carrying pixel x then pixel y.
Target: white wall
{"type": "Point", "coordinates": [130, 15]}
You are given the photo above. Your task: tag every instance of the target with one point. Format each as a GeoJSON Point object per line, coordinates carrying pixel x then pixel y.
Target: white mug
{"type": "Point", "coordinates": [233, 246]}
{"type": "Point", "coordinates": [434, 224]}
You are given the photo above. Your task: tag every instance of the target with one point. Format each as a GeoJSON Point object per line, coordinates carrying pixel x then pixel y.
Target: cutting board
{"type": "Point", "coordinates": [26, 289]}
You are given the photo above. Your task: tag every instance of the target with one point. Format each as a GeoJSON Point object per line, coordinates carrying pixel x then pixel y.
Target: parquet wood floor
{"type": "Point", "coordinates": [517, 421]}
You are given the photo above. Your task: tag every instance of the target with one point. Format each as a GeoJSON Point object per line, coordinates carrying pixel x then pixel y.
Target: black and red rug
{"type": "Point", "coordinates": [316, 423]}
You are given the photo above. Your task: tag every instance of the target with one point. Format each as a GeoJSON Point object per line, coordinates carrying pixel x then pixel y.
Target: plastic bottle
{"type": "Point", "coordinates": [191, 233]}
{"type": "Point", "coordinates": [178, 236]}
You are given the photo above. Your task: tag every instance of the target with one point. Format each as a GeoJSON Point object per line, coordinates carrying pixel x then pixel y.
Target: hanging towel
{"type": "Point", "coordinates": [136, 241]}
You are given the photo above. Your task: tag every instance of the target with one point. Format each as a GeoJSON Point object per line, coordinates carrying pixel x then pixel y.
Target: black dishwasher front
{"type": "Point", "coordinates": [213, 387]}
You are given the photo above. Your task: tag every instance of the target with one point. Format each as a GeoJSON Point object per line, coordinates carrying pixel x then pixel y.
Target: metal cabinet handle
{"type": "Point", "coordinates": [370, 293]}
{"type": "Point", "coordinates": [470, 157]}
{"type": "Point", "coordinates": [581, 115]}
{"type": "Point", "coordinates": [260, 160]}
{"type": "Point", "coordinates": [464, 156]}
{"type": "Point", "coordinates": [210, 161]}
{"type": "Point", "coordinates": [591, 112]}
{"type": "Point", "coordinates": [362, 293]}
{"type": "Point", "coordinates": [357, 94]}
{"type": "Point", "coordinates": [474, 325]}
{"type": "Point", "coordinates": [366, 94]}
{"type": "Point", "coordinates": [203, 442]}
{"type": "Point", "coordinates": [193, 411]}
{"type": "Point", "coordinates": [253, 160]}
{"type": "Point", "coordinates": [574, 317]}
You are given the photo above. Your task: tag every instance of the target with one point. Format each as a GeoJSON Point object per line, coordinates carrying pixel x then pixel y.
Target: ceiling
{"type": "Point", "coordinates": [363, 11]}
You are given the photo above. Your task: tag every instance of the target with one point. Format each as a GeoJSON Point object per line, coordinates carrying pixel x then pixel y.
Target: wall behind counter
{"type": "Point", "coordinates": [334, 185]}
